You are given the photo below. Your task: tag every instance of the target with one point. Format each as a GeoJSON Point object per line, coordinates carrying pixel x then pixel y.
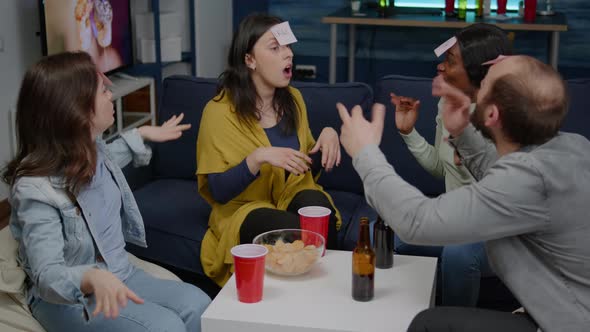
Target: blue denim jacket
{"type": "Point", "coordinates": [56, 245]}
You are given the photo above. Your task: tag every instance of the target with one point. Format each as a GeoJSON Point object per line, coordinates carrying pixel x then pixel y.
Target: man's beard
{"type": "Point", "coordinates": [478, 121]}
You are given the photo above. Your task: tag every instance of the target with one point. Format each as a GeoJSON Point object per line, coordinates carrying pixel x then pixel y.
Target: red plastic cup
{"type": "Point", "coordinates": [315, 219]}
{"type": "Point", "coordinates": [501, 7]}
{"type": "Point", "coordinates": [249, 271]}
{"type": "Point", "coordinates": [450, 6]}
{"type": "Point", "coordinates": [530, 10]}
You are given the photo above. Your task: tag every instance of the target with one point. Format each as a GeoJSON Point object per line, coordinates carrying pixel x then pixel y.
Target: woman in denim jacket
{"type": "Point", "coordinates": [72, 209]}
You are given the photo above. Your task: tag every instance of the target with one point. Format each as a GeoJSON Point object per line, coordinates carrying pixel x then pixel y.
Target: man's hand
{"type": "Point", "coordinates": [330, 146]}
{"type": "Point", "coordinates": [406, 112]}
{"type": "Point", "coordinates": [455, 113]}
{"type": "Point", "coordinates": [357, 132]}
{"type": "Point", "coordinates": [169, 130]}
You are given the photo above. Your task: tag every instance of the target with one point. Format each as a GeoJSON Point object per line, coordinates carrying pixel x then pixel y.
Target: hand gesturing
{"type": "Point", "coordinates": [406, 112]}
{"type": "Point", "coordinates": [455, 110]}
{"type": "Point", "coordinates": [169, 130]}
{"type": "Point", "coordinates": [356, 131]}
{"type": "Point", "coordinates": [329, 144]}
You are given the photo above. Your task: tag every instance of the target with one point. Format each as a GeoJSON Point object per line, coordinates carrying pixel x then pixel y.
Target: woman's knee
{"type": "Point", "coordinates": [309, 197]}
{"type": "Point", "coordinates": [194, 299]}
{"type": "Point", "coordinates": [463, 257]}
{"type": "Point", "coordinates": [162, 320]}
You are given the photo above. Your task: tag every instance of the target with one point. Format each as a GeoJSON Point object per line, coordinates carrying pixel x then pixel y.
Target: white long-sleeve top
{"type": "Point", "coordinates": [438, 160]}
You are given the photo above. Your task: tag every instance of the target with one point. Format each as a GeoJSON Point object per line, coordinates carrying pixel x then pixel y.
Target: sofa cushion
{"type": "Point", "coordinates": [578, 116]}
{"type": "Point", "coordinates": [188, 95]}
{"type": "Point", "coordinates": [12, 276]}
{"type": "Point", "coordinates": [321, 99]}
{"type": "Point", "coordinates": [176, 219]}
{"type": "Point", "coordinates": [392, 144]}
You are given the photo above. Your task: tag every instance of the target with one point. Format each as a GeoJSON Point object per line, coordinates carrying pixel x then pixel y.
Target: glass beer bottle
{"type": "Point", "coordinates": [478, 8]}
{"type": "Point", "coordinates": [383, 244]}
{"type": "Point", "coordinates": [363, 265]}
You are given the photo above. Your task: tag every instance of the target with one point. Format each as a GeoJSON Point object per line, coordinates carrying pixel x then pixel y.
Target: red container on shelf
{"type": "Point", "coordinates": [530, 10]}
{"type": "Point", "coordinates": [501, 7]}
{"type": "Point", "coordinates": [450, 6]}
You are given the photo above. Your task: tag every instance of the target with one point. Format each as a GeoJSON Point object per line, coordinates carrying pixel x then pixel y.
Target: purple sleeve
{"type": "Point", "coordinates": [229, 184]}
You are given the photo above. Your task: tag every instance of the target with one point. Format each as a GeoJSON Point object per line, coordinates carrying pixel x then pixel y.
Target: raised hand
{"type": "Point", "coordinates": [455, 110]}
{"type": "Point", "coordinates": [110, 293]}
{"type": "Point", "coordinates": [291, 160]}
{"type": "Point", "coordinates": [406, 112]}
{"type": "Point", "coordinates": [169, 130]}
{"type": "Point", "coordinates": [356, 131]}
{"type": "Point", "coordinates": [329, 144]}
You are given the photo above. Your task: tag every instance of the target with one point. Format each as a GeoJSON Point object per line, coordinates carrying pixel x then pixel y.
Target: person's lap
{"type": "Point", "coordinates": [462, 267]}
{"type": "Point", "coordinates": [461, 319]}
{"type": "Point", "coordinates": [168, 306]}
{"type": "Point", "coordinates": [403, 248]}
{"type": "Point", "coordinates": [263, 220]}
{"type": "Point", "coordinates": [458, 272]}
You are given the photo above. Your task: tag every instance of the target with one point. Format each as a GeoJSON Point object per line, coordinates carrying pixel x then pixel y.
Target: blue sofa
{"type": "Point", "coordinates": [176, 216]}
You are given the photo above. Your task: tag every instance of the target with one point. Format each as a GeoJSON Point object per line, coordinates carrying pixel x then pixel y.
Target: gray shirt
{"type": "Point", "coordinates": [531, 207]}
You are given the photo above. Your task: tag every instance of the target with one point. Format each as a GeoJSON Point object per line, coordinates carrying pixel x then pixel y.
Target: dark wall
{"type": "Point", "coordinates": [408, 51]}
{"type": "Point", "coordinates": [242, 8]}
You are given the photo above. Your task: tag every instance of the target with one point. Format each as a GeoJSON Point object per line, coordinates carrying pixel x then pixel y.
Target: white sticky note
{"type": "Point", "coordinates": [283, 33]}
{"type": "Point", "coordinates": [496, 60]}
{"type": "Point", "coordinates": [445, 46]}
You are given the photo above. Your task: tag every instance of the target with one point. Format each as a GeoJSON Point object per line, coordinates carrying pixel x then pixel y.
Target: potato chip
{"type": "Point", "coordinates": [291, 258]}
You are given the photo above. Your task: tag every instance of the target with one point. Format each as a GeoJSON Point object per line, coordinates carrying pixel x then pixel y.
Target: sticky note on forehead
{"type": "Point", "coordinates": [445, 46]}
{"type": "Point", "coordinates": [283, 33]}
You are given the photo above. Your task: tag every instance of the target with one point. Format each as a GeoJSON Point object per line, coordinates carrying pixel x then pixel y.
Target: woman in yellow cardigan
{"type": "Point", "coordinates": [253, 163]}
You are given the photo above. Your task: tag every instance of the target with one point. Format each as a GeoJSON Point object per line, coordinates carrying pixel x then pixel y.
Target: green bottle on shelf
{"type": "Point", "coordinates": [462, 11]}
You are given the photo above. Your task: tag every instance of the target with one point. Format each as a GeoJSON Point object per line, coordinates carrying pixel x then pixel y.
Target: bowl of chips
{"type": "Point", "coordinates": [291, 252]}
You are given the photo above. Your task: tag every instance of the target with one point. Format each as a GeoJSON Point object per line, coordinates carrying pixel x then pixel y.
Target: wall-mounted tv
{"type": "Point", "coordinates": [99, 27]}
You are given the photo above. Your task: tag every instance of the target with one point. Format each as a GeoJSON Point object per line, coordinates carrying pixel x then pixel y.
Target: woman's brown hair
{"type": "Point", "coordinates": [53, 120]}
{"type": "Point", "coordinates": [237, 82]}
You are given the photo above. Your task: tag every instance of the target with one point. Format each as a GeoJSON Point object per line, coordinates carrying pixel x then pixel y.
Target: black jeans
{"type": "Point", "coordinates": [458, 319]}
{"type": "Point", "coordinates": [263, 220]}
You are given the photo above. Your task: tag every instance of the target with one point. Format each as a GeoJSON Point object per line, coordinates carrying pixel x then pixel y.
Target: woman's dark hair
{"type": "Point", "coordinates": [479, 43]}
{"type": "Point", "coordinates": [53, 120]}
{"type": "Point", "coordinates": [237, 82]}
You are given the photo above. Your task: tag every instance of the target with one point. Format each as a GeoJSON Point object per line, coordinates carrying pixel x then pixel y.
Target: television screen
{"type": "Point", "coordinates": [98, 27]}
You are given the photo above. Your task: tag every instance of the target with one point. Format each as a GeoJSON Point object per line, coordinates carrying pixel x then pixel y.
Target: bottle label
{"type": "Point", "coordinates": [363, 265]}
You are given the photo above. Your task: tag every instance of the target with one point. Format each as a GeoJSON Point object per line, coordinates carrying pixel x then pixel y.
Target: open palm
{"type": "Point", "coordinates": [455, 112]}
{"type": "Point", "coordinates": [406, 112]}
{"type": "Point", "coordinates": [170, 130]}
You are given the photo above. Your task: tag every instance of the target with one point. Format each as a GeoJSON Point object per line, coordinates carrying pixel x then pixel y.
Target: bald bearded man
{"type": "Point", "coordinates": [530, 204]}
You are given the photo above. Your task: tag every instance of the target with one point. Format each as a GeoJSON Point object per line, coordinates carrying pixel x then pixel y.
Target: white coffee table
{"type": "Point", "coordinates": [321, 299]}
